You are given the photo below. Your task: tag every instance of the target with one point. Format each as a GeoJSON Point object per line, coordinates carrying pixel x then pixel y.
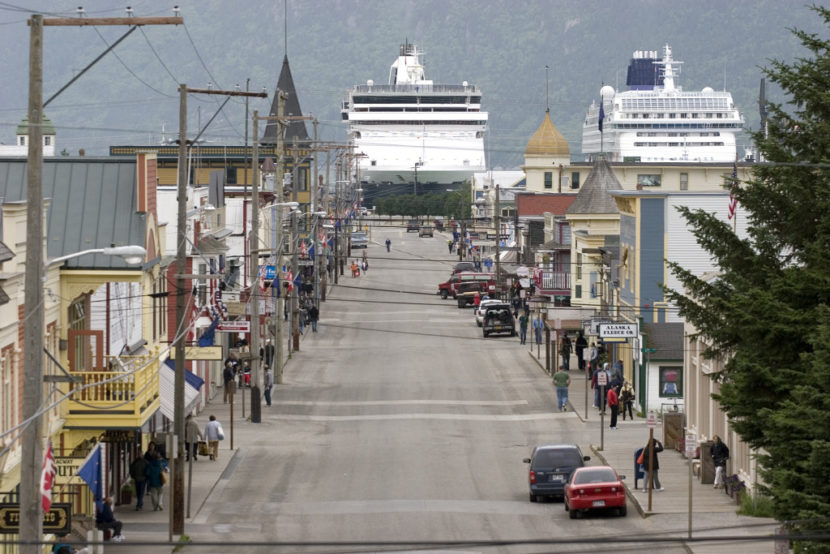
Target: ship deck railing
{"type": "Point", "coordinates": [420, 89]}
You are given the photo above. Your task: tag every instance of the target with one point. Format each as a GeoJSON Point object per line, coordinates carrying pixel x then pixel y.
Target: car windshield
{"type": "Point", "coordinates": [360, 235]}
{"type": "Point", "coordinates": [553, 458]}
{"type": "Point", "coordinates": [603, 475]}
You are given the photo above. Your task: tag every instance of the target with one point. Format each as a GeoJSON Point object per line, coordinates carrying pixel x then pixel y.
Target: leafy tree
{"type": "Point", "coordinates": [768, 310]}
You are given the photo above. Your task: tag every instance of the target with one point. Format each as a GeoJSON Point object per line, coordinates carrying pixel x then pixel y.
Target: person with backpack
{"type": "Point", "coordinates": [138, 470]}
{"type": "Point", "coordinates": [650, 455]}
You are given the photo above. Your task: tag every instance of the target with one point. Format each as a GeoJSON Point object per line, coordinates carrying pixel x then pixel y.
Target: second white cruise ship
{"type": "Point", "coordinates": [413, 132]}
{"type": "Point", "coordinates": [657, 121]}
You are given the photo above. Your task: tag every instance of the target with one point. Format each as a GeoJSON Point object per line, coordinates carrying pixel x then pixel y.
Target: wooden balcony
{"type": "Point", "coordinates": [554, 282]}
{"type": "Point", "coordinates": [123, 396]}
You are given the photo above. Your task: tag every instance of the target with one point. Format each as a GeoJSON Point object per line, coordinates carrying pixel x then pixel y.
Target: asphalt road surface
{"type": "Point", "coordinates": [398, 427]}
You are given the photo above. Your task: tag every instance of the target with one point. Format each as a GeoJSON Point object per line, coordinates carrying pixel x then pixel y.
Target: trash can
{"type": "Point", "coordinates": [707, 464]}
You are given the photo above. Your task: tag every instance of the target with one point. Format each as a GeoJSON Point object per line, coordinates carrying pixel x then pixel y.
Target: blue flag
{"type": "Point", "coordinates": [601, 115]}
{"type": "Point", "coordinates": [208, 336]}
{"type": "Point", "coordinates": [90, 471]}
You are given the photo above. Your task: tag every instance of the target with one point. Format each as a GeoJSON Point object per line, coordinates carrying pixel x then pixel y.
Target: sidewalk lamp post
{"type": "Point", "coordinates": [31, 447]}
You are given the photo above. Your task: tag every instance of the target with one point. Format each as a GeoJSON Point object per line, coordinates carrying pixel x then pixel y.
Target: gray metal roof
{"type": "Point", "coordinates": [667, 338]}
{"type": "Point", "coordinates": [93, 205]}
{"type": "Point", "coordinates": [593, 196]}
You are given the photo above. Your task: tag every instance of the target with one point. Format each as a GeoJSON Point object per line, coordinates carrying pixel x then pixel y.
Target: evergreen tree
{"type": "Point", "coordinates": [767, 312]}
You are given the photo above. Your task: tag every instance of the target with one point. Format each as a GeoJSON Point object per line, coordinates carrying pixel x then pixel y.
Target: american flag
{"type": "Point", "coordinates": [219, 305]}
{"type": "Point", "coordinates": [733, 201]}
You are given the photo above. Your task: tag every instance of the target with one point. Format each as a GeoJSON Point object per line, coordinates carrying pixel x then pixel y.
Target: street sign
{"type": "Point", "coordinates": [234, 327]}
{"type": "Point", "coordinates": [602, 378]}
{"type": "Point", "coordinates": [691, 445]}
{"type": "Point", "coordinates": [57, 520]}
{"type": "Point", "coordinates": [651, 420]}
{"type": "Point", "coordinates": [618, 330]}
{"type": "Point", "coordinates": [270, 272]}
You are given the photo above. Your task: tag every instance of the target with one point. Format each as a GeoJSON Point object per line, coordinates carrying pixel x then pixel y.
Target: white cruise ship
{"type": "Point", "coordinates": [413, 132]}
{"type": "Point", "coordinates": [657, 121]}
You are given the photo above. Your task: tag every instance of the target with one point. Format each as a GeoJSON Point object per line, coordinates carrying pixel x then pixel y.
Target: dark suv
{"type": "Point", "coordinates": [498, 319]}
{"type": "Point", "coordinates": [413, 225]}
{"type": "Point", "coordinates": [551, 467]}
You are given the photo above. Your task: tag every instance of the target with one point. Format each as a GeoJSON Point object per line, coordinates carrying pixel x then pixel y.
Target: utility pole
{"type": "Point", "coordinates": [31, 521]}
{"type": "Point", "coordinates": [295, 268]}
{"type": "Point", "coordinates": [31, 452]}
{"type": "Point", "coordinates": [314, 191]}
{"type": "Point", "coordinates": [497, 222]}
{"type": "Point", "coordinates": [177, 488]}
{"type": "Point", "coordinates": [278, 345]}
{"type": "Point", "coordinates": [256, 408]}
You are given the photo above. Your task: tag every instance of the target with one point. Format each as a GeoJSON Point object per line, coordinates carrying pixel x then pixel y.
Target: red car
{"type": "Point", "coordinates": [594, 488]}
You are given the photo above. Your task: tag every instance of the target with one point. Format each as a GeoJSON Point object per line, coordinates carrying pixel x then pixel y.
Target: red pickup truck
{"type": "Point", "coordinates": [450, 288]}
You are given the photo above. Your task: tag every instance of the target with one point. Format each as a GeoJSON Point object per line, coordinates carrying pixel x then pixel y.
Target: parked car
{"type": "Point", "coordinates": [594, 488]}
{"type": "Point", "coordinates": [482, 308]}
{"type": "Point", "coordinates": [413, 225]}
{"type": "Point", "coordinates": [450, 287]}
{"type": "Point", "coordinates": [498, 318]}
{"type": "Point", "coordinates": [425, 231]}
{"type": "Point", "coordinates": [439, 224]}
{"type": "Point", "coordinates": [551, 466]}
{"type": "Point", "coordinates": [359, 240]}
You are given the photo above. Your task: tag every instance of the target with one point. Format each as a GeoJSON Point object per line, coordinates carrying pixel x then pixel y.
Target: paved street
{"type": "Point", "coordinates": [398, 427]}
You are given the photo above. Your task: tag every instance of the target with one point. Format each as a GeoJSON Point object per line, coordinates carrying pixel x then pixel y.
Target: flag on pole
{"type": "Point", "coordinates": [601, 115]}
{"type": "Point", "coordinates": [289, 278]}
{"type": "Point", "coordinates": [90, 471]}
{"type": "Point", "coordinates": [303, 249]}
{"type": "Point", "coordinates": [733, 186]}
{"type": "Point", "coordinates": [47, 479]}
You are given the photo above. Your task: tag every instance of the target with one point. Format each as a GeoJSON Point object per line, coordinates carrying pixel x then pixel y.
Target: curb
{"type": "Point", "coordinates": [628, 493]}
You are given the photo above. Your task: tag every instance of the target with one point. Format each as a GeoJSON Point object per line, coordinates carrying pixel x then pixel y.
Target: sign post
{"type": "Point", "coordinates": [689, 443]}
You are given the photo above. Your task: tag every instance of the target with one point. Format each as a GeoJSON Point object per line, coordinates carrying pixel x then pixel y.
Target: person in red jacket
{"type": "Point", "coordinates": [614, 404]}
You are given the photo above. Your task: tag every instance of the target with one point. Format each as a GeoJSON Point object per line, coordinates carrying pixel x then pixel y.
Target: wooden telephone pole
{"type": "Point", "coordinates": [31, 460]}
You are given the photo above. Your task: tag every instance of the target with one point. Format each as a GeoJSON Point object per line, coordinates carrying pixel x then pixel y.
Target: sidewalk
{"type": "Point", "coordinates": [616, 448]}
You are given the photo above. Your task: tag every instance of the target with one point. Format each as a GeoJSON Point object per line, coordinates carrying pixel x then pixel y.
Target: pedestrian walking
{"type": "Point", "coordinates": [192, 436]}
{"type": "Point", "coordinates": [313, 316]}
{"type": "Point", "coordinates": [155, 480]}
{"type": "Point", "coordinates": [138, 468]}
{"type": "Point", "coordinates": [538, 325]}
{"type": "Point", "coordinates": [355, 269]}
{"type": "Point", "coordinates": [561, 380]}
{"type": "Point", "coordinates": [593, 356]}
{"type": "Point", "coordinates": [302, 315]}
{"type": "Point", "coordinates": [648, 458]}
{"type": "Point", "coordinates": [449, 246]}
{"type": "Point", "coordinates": [581, 345]}
{"type": "Point", "coordinates": [214, 434]}
{"type": "Point", "coordinates": [269, 382]}
{"type": "Point", "coordinates": [388, 244]}
{"type": "Point", "coordinates": [565, 349]}
{"type": "Point", "coordinates": [227, 379]}
{"type": "Point", "coordinates": [720, 454]}
{"type": "Point", "coordinates": [523, 328]}
{"type": "Point", "coordinates": [627, 400]}
{"type": "Point", "coordinates": [614, 405]}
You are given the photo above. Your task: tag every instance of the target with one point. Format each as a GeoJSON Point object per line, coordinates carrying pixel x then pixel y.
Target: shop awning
{"type": "Point", "coordinates": [192, 384]}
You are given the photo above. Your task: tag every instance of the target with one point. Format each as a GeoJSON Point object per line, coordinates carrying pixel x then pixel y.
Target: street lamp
{"type": "Point", "coordinates": [31, 452]}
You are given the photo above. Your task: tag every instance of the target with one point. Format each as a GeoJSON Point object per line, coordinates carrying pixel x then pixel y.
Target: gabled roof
{"type": "Point", "coordinates": [296, 129]}
{"type": "Point", "coordinates": [93, 205]}
{"type": "Point", "coordinates": [593, 197]}
{"type": "Point", "coordinates": [530, 204]}
{"type": "Point", "coordinates": [667, 338]}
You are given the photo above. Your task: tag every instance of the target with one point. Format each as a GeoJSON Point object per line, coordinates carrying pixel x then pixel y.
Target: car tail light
{"type": "Point", "coordinates": [581, 491]}
{"type": "Point", "coordinates": [613, 489]}
{"type": "Point", "coordinates": [532, 476]}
